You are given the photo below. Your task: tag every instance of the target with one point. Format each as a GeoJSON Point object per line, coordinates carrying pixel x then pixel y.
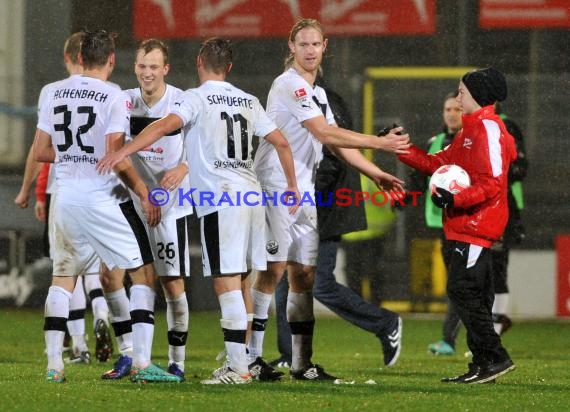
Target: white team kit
{"type": "Point", "coordinates": [91, 210]}
{"type": "Point", "coordinates": [291, 101]}
{"type": "Point", "coordinates": [87, 253]}
{"type": "Point", "coordinates": [169, 240]}
{"type": "Point", "coordinates": [220, 121]}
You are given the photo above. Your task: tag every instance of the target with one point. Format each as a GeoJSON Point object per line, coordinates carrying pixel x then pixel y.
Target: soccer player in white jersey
{"type": "Point", "coordinates": [81, 120]}
{"type": "Point", "coordinates": [76, 322]}
{"type": "Point", "coordinates": [219, 122]}
{"type": "Point", "coordinates": [160, 165]}
{"type": "Point", "coordinates": [301, 111]}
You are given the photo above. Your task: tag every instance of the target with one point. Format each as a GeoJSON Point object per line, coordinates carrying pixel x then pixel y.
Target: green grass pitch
{"type": "Point", "coordinates": [541, 382]}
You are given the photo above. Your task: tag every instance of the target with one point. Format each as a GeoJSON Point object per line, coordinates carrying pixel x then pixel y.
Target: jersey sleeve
{"type": "Point", "coordinates": [43, 114]}
{"type": "Point", "coordinates": [297, 98]}
{"type": "Point", "coordinates": [187, 106]}
{"type": "Point", "coordinates": [43, 97]}
{"type": "Point", "coordinates": [120, 114]}
{"type": "Point", "coordinates": [263, 124]}
{"type": "Point", "coordinates": [423, 162]}
{"type": "Point", "coordinates": [488, 155]}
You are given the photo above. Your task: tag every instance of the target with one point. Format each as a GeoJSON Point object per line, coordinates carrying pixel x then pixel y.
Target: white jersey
{"type": "Point", "coordinates": [78, 113]}
{"type": "Point", "coordinates": [220, 121]}
{"type": "Point", "coordinates": [168, 152]}
{"type": "Point", "coordinates": [290, 102]}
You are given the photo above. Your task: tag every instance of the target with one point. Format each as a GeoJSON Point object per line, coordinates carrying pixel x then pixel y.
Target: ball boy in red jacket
{"type": "Point", "coordinates": [475, 217]}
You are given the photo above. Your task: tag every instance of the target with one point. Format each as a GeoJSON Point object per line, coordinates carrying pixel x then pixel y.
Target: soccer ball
{"type": "Point", "coordinates": [452, 178]}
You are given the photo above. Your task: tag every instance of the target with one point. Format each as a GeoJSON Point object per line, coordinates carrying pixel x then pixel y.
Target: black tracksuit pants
{"type": "Point", "coordinates": [500, 259]}
{"type": "Point", "coordinates": [470, 290]}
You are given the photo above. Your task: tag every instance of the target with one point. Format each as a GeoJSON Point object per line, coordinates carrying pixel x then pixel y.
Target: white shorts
{"type": "Point", "coordinates": [84, 260]}
{"type": "Point", "coordinates": [292, 238]}
{"type": "Point", "coordinates": [233, 240]}
{"type": "Point", "coordinates": [115, 232]}
{"type": "Point", "coordinates": [170, 247]}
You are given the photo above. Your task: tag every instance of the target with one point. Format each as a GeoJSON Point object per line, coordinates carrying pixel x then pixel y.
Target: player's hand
{"type": "Point", "coordinates": [293, 198]}
{"type": "Point", "coordinates": [395, 141]}
{"type": "Point", "coordinates": [442, 198]}
{"type": "Point", "coordinates": [151, 212]}
{"type": "Point", "coordinates": [389, 183]}
{"type": "Point", "coordinates": [22, 199]}
{"type": "Point", "coordinates": [108, 162]}
{"type": "Point", "coordinates": [173, 177]}
{"type": "Point", "coordinates": [41, 211]}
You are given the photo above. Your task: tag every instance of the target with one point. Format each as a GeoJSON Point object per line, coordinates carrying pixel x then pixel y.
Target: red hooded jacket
{"type": "Point", "coordinates": [485, 150]}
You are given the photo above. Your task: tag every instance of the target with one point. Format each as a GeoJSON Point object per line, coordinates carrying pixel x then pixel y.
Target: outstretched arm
{"type": "Point", "coordinates": [339, 137]}
{"type": "Point", "coordinates": [148, 136]}
{"type": "Point", "coordinates": [356, 159]}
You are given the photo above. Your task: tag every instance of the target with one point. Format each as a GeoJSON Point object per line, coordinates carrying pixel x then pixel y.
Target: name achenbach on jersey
{"type": "Point", "coordinates": [80, 94]}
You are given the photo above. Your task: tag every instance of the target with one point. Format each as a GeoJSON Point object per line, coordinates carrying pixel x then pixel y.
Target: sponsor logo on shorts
{"type": "Point", "coordinates": [272, 247]}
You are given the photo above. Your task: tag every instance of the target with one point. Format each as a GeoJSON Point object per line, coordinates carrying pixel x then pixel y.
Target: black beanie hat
{"type": "Point", "coordinates": [486, 85]}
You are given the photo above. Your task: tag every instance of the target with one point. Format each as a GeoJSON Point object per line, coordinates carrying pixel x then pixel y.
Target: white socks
{"type": "Point", "coordinates": [55, 316]}
{"type": "Point", "coordinates": [177, 320]}
{"type": "Point", "coordinates": [302, 322]}
{"type": "Point", "coordinates": [120, 317]}
{"type": "Point", "coordinates": [261, 302]}
{"type": "Point", "coordinates": [234, 326]}
{"type": "Point", "coordinates": [500, 306]}
{"type": "Point", "coordinates": [76, 318]}
{"type": "Point", "coordinates": [142, 316]}
{"type": "Point", "coordinates": [98, 303]}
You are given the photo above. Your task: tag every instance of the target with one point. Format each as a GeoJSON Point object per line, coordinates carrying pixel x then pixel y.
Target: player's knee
{"type": "Point", "coordinates": [302, 278]}
{"type": "Point", "coordinates": [173, 287]}
{"type": "Point", "coordinates": [266, 281]}
{"type": "Point", "coordinates": [144, 275]}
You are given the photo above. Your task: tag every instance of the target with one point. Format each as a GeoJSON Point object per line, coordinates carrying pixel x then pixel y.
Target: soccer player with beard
{"type": "Point", "coordinates": [301, 111]}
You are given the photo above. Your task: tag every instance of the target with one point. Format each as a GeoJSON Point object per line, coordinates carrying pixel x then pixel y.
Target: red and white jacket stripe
{"type": "Point", "coordinates": [485, 150]}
